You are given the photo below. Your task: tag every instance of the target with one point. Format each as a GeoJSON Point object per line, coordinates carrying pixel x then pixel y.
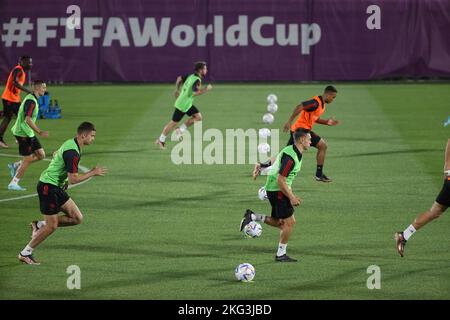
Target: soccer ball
{"type": "Point", "coordinates": [262, 194]}
{"type": "Point", "coordinates": [268, 118]}
{"type": "Point", "coordinates": [253, 229]}
{"type": "Point", "coordinates": [264, 133]}
{"type": "Point", "coordinates": [272, 107]}
{"type": "Point", "coordinates": [245, 272]}
{"type": "Point", "coordinates": [271, 98]}
{"type": "Point", "coordinates": [263, 147]}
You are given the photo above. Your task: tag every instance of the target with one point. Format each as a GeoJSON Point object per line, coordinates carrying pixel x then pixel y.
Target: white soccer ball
{"type": "Point", "coordinates": [253, 229]}
{"type": "Point", "coordinates": [272, 107]}
{"type": "Point", "coordinates": [263, 147]}
{"type": "Point", "coordinates": [264, 133]}
{"type": "Point", "coordinates": [245, 272]}
{"type": "Point", "coordinates": [271, 98]}
{"type": "Point", "coordinates": [262, 194]}
{"type": "Point", "coordinates": [268, 118]}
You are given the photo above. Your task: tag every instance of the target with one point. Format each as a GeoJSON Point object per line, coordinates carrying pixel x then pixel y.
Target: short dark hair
{"type": "Point", "coordinates": [23, 58]}
{"type": "Point", "coordinates": [38, 82]}
{"type": "Point", "coordinates": [300, 133]}
{"type": "Point", "coordinates": [199, 65]}
{"type": "Point", "coordinates": [330, 89]}
{"type": "Point", "coordinates": [85, 127]}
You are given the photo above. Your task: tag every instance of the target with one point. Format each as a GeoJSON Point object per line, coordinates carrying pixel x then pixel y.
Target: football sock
{"type": "Point", "coordinates": [281, 249]}
{"type": "Point", "coordinates": [40, 224]}
{"type": "Point", "coordinates": [27, 251]}
{"type": "Point", "coordinates": [15, 180]}
{"type": "Point", "coordinates": [162, 138]}
{"type": "Point", "coordinates": [409, 232]}
{"type": "Point", "coordinates": [258, 217]}
{"type": "Point", "coordinates": [319, 171]}
{"type": "Point", "coordinates": [266, 164]}
{"type": "Point", "coordinates": [183, 128]}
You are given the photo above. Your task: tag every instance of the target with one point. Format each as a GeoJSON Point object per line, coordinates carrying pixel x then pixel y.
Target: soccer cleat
{"type": "Point", "coordinates": [3, 144]}
{"type": "Point", "coordinates": [29, 259]}
{"type": "Point", "coordinates": [12, 169]}
{"type": "Point", "coordinates": [401, 242]}
{"type": "Point", "coordinates": [162, 145]}
{"type": "Point", "coordinates": [16, 187]}
{"type": "Point", "coordinates": [285, 258]}
{"type": "Point", "coordinates": [323, 178]}
{"type": "Point", "coordinates": [256, 170]}
{"type": "Point", "coordinates": [246, 220]}
{"type": "Point", "coordinates": [179, 134]}
{"type": "Point", "coordinates": [34, 228]}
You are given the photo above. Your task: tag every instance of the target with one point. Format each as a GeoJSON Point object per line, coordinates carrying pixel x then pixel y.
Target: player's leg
{"type": "Point", "coordinates": [194, 116]}
{"type": "Point", "coordinates": [439, 206]}
{"type": "Point", "coordinates": [51, 224]}
{"type": "Point", "coordinates": [176, 117]}
{"type": "Point", "coordinates": [26, 146]}
{"type": "Point", "coordinates": [286, 227]}
{"type": "Point", "coordinates": [8, 112]}
{"type": "Point", "coordinates": [72, 214]}
{"type": "Point", "coordinates": [322, 146]}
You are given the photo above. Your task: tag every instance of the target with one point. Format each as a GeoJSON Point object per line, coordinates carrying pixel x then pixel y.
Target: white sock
{"type": "Point", "coordinates": [409, 232]}
{"type": "Point", "coordinates": [27, 251]}
{"type": "Point", "coordinates": [14, 180]}
{"type": "Point", "coordinates": [258, 217]}
{"type": "Point", "coordinates": [162, 138]}
{"type": "Point", "coordinates": [281, 249]}
{"type": "Point", "coordinates": [40, 224]}
{"type": "Point", "coordinates": [183, 128]}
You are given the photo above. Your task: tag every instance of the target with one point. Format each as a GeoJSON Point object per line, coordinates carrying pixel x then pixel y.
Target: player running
{"type": "Point", "coordinates": [190, 87]}
{"type": "Point", "coordinates": [25, 130]}
{"type": "Point", "coordinates": [11, 94]}
{"type": "Point", "coordinates": [439, 206]}
{"type": "Point", "coordinates": [63, 169]}
{"type": "Point", "coordinates": [309, 113]}
{"type": "Point", "coordinates": [278, 186]}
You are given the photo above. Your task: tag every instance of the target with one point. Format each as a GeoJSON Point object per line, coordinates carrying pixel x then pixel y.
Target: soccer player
{"type": "Point", "coordinates": [63, 169]}
{"type": "Point", "coordinates": [309, 113]}
{"type": "Point", "coordinates": [25, 130]}
{"type": "Point", "coordinates": [439, 206]}
{"type": "Point", "coordinates": [190, 87]}
{"type": "Point", "coordinates": [278, 186]}
{"type": "Point", "coordinates": [11, 94]}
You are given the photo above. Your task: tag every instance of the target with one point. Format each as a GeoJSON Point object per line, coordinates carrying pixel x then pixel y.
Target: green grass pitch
{"type": "Point", "coordinates": [155, 230]}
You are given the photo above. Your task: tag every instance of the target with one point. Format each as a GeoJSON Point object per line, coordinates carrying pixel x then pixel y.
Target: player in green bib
{"type": "Point", "coordinates": [190, 87]}
{"type": "Point", "coordinates": [279, 192]}
{"type": "Point", "coordinates": [25, 130]}
{"type": "Point", "coordinates": [52, 186]}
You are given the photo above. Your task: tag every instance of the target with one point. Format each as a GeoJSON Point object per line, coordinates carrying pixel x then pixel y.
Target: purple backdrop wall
{"type": "Point", "coordinates": [137, 40]}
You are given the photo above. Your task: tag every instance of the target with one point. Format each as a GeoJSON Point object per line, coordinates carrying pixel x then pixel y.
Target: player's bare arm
{"type": "Point", "coordinates": [19, 86]}
{"type": "Point", "coordinates": [203, 90]}
{"type": "Point", "coordinates": [178, 84]}
{"type": "Point", "coordinates": [281, 181]}
{"type": "Point", "coordinates": [75, 178]}
{"type": "Point", "coordinates": [328, 122]}
{"type": "Point", "coordinates": [35, 127]}
{"type": "Point", "coordinates": [295, 113]}
{"type": "Point", "coordinates": [447, 159]}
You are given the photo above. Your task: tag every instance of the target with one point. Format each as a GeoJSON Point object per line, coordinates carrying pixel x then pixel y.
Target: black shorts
{"type": "Point", "coordinates": [28, 145]}
{"type": "Point", "coordinates": [10, 108]}
{"type": "Point", "coordinates": [281, 206]}
{"type": "Point", "coordinates": [51, 198]}
{"type": "Point", "coordinates": [178, 114]}
{"type": "Point", "coordinates": [444, 196]}
{"type": "Point", "coordinates": [314, 138]}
